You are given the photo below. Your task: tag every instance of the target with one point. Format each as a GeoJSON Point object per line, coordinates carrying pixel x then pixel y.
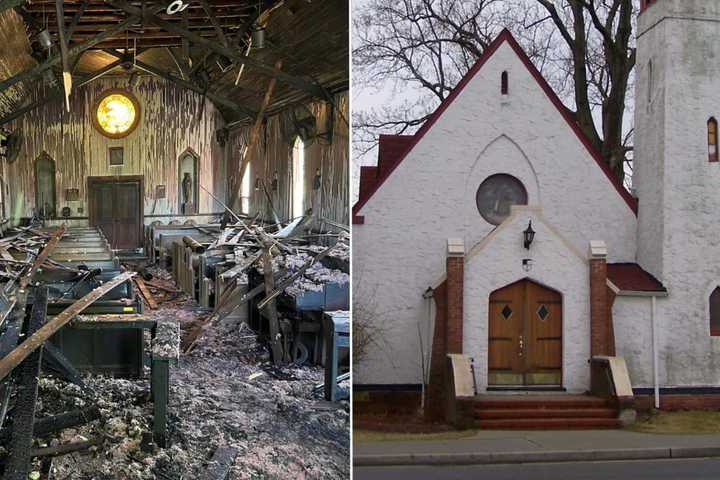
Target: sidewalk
{"type": "Point", "coordinates": [489, 447]}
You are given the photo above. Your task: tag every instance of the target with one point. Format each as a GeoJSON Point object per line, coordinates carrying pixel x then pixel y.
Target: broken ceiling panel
{"type": "Point", "coordinates": [14, 58]}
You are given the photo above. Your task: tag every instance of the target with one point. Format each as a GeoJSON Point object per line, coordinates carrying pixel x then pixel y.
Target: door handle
{"type": "Point", "coordinates": [521, 344]}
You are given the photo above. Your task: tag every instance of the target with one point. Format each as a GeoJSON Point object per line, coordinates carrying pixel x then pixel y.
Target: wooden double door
{"type": "Point", "coordinates": [525, 336]}
{"type": "Point", "coordinates": [116, 207]}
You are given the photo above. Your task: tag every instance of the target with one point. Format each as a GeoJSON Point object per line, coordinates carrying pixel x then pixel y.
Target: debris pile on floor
{"type": "Point", "coordinates": [106, 389]}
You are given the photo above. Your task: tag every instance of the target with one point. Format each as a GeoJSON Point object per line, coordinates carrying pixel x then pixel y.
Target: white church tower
{"type": "Point", "coordinates": [677, 175]}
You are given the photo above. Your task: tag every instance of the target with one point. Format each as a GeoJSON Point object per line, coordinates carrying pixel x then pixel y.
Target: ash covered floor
{"type": "Point", "coordinates": [224, 393]}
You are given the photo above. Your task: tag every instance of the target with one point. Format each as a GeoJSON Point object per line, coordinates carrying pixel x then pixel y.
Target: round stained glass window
{"type": "Point", "coordinates": [497, 194]}
{"type": "Point", "coordinates": [117, 114]}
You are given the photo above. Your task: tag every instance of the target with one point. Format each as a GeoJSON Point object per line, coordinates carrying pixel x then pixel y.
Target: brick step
{"type": "Point", "coordinates": [526, 413]}
{"type": "Point", "coordinates": [563, 402]}
{"type": "Point", "coordinates": [548, 423]}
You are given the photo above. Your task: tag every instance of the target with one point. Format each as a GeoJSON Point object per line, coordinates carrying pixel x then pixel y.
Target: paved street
{"type": "Point", "coordinates": [694, 469]}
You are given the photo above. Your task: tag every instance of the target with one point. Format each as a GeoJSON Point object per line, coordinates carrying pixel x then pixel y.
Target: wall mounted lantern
{"type": "Point", "coordinates": [529, 235]}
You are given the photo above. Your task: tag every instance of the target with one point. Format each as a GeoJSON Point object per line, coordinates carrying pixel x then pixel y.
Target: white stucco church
{"type": "Point", "coordinates": [442, 237]}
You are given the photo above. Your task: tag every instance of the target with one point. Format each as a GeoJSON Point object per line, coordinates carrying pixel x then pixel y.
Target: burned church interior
{"type": "Point", "coordinates": [174, 240]}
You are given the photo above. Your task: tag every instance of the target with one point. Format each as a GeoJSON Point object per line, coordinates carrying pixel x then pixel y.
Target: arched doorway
{"type": "Point", "coordinates": [525, 336]}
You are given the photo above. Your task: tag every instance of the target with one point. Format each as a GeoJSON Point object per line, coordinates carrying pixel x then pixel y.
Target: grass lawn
{"type": "Point", "coordinates": [678, 422]}
{"type": "Point", "coordinates": [375, 436]}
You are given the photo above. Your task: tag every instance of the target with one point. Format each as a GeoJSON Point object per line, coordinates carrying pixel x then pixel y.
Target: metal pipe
{"type": "Point", "coordinates": [653, 316]}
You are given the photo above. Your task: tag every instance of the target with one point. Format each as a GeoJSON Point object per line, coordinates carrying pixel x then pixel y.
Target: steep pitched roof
{"type": "Point", "coordinates": [403, 144]}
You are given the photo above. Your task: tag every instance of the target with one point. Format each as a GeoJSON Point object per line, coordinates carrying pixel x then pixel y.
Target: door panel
{"type": "Point", "coordinates": [115, 207]}
{"type": "Point", "coordinates": [525, 336]}
{"type": "Point", "coordinates": [127, 208]}
{"type": "Point", "coordinates": [506, 326]}
{"type": "Point", "coordinates": [101, 195]}
{"type": "Point", "coordinates": [544, 355]}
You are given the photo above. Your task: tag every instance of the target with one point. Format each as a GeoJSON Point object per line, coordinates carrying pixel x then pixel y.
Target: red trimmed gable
{"type": "Point", "coordinates": [390, 150]}
{"type": "Point", "coordinates": [631, 277]}
{"type": "Point", "coordinates": [645, 4]}
{"type": "Point", "coordinates": [505, 36]}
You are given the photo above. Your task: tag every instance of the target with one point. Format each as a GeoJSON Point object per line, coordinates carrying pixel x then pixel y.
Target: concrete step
{"type": "Point", "coordinates": [525, 413]}
{"type": "Point", "coordinates": [493, 402]}
{"type": "Point", "coordinates": [548, 423]}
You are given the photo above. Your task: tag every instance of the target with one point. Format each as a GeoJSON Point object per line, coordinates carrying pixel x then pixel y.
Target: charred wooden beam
{"type": "Point", "coordinates": [13, 359]}
{"type": "Point", "coordinates": [75, 21]}
{"type": "Point", "coordinates": [272, 314]}
{"type": "Point", "coordinates": [21, 436]}
{"type": "Point", "coordinates": [39, 69]}
{"type": "Point", "coordinates": [47, 425]}
{"type": "Point", "coordinates": [59, 363]}
{"type": "Point", "coordinates": [309, 87]}
{"type": "Point", "coordinates": [44, 255]}
{"type": "Point", "coordinates": [214, 21]}
{"type": "Point", "coordinates": [217, 99]}
{"type": "Point", "coordinates": [74, 418]}
{"type": "Point", "coordinates": [179, 63]}
{"type": "Point", "coordinates": [57, 95]}
{"type": "Point", "coordinates": [66, 448]}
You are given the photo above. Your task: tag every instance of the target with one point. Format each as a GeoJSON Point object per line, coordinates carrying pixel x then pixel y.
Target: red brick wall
{"type": "Point", "coordinates": [645, 403]}
{"type": "Point", "coordinates": [455, 289]}
{"type": "Point", "coordinates": [600, 330]}
{"type": "Point", "coordinates": [447, 337]}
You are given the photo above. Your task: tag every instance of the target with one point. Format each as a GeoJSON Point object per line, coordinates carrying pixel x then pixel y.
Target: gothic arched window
{"type": "Point", "coordinates": [504, 86]}
{"type": "Point", "coordinates": [45, 202]}
{"type": "Point", "coordinates": [298, 179]}
{"type": "Point", "coordinates": [715, 312]}
{"type": "Point", "coordinates": [188, 182]}
{"type": "Point", "coordinates": [713, 140]}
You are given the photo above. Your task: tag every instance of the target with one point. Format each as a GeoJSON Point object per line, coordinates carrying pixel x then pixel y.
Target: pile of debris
{"type": "Point", "coordinates": [257, 306]}
{"type": "Point", "coordinates": [228, 401]}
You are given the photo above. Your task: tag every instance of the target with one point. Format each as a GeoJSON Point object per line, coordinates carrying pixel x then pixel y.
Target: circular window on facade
{"type": "Point", "coordinates": [117, 113]}
{"type": "Point", "coordinates": [497, 194]}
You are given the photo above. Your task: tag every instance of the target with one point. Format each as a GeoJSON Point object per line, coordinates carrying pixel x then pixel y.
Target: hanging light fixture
{"type": "Point", "coordinates": [528, 235]}
{"type": "Point", "coordinates": [258, 37]}
{"type": "Point", "coordinates": [258, 34]}
{"type": "Point", "coordinates": [275, 182]}
{"type": "Point", "coordinates": [45, 39]}
{"type": "Point", "coordinates": [257, 183]}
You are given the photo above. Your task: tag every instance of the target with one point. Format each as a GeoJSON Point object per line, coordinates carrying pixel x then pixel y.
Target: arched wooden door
{"type": "Point", "coordinates": [525, 336]}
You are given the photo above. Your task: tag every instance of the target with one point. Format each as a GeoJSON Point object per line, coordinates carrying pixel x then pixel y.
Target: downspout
{"type": "Point", "coordinates": [653, 317]}
{"type": "Point", "coordinates": [427, 295]}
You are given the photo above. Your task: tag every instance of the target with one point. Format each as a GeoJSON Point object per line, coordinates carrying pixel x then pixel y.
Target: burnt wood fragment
{"type": "Point", "coordinates": [220, 464]}
{"type": "Point", "coordinates": [59, 363]}
{"type": "Point", "coordinates": [21, 436]}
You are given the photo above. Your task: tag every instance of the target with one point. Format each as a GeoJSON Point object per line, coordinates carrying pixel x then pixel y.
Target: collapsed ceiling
{"type": "Point", "coordinates": [225, 49]}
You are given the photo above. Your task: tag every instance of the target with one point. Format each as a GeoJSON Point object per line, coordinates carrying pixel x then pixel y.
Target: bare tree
{"type": "Point", "coordinates": [584, 47]}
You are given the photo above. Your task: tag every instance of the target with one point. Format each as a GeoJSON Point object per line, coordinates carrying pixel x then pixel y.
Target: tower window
{"type": "Point", "coordinates": [713, 140]}
{"type": "Point", "coordinates": [504, 83]}
{"type": "Point", "coordinates": [298, 172]}
{"type": "Point", "coordinates": [715, 312]}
